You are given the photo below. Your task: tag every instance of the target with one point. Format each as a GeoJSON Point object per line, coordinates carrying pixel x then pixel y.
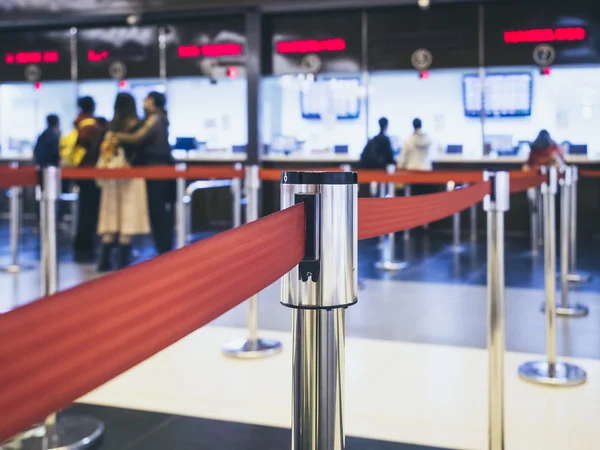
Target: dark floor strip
{"type": "Point", "coordinates": [128, 429]}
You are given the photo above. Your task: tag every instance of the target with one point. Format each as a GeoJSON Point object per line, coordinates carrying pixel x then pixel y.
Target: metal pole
{"type": "Point", "coordinates": [456, 247]}
{"type": "Point", "coordinates": [387, 262]}
{"type": "Point", "coordinates": [16, 193]}
{"type": "Point", "coordinates": [575, 276]}
{"type": "Point", "coordinates": [473, 229]}
{"type": "Point", "coordinates": [407, 193]}
{"type": "Point", "coordinates": [496, 204]}
{"type": "Point", "coordinates": [319, 290]}
{"type": "Point", "coordinates": [64, 432]}
{"type": "Point", "coordinates": [534, 219]}
{"type": "Point", "coordinates": [253, 347]}
{"type": "Point", "coordinates": [551, 371]}
{"type": "Point", "coordinates": [236, 192]}
{"type": "Point", "coordinates": [180, 208]}
{"type": "Point", "coordinates": [564, 308]}
{"type": "Point", "coordinates": [382, 194]}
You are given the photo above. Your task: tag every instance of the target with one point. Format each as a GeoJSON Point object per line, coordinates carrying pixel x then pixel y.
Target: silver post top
{"type": "Point", "coordinates": [237, 167]}
{"type": "Point", "coordinates": [551, 186]}
{"type": "Point", "coordinates": [574, 174]}
{"type": "Point", "coordinates": [566, 176]}
{"type": "Point", "coordinates": [499, 197]}
{"type": "Point", "coordinates": [52, 188]}
{"type": "Point", "coordinates": [180, 167]}
{"type": "Point", "coordinates": [346, 168]}
{"type": "Point", "coordinates": [390, 169]}
{"type": "Point", "coordinates": [319, 178]}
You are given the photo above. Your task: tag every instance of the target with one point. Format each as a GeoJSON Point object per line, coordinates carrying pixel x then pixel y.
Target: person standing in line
{"type": "Point", "coordinates": [416, 153]}
{"type": "Point", "coordinates": [89, 193]}
{"type": "Point", "coordinates": [544, 152]}
{"type": "Point", "coordinates": [153, 137]}
{"type": "Point", "coordinates": [46, 153]}
{"type": "Point", "coordinates": [378, 153]}
{"type": "Point", "coordinates": [123, 203]}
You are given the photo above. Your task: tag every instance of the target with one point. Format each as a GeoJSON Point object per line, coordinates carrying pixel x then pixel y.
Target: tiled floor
{"type": "Point", "coordinates": [416, 364]}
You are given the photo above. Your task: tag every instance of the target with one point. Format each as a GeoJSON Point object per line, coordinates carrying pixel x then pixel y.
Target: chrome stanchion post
{"type": "Point", "coordinates": [473, 229]}
{"type": "Point", "coordinates": [252, 347]}
{"type": "Point", "coordinates": [534, 218]}
{"type": "Point", "coordinates": [236, 193]}
{"type": "Point", "coordinates": [319, 290]}
{"type": "Point", "coordinates": [64, 432]}
{"type": "Point", "coordinates": [180, 207]}
{"type": "Point", "coordinates": [456, 247]}
{"type": "Point", "coordinates": [16, 193]}
{"type": "Point", "coordinates": [575, 276]}
{"type": "Point", "coordinates": [496, 204]}
{"type": "Point", "coordinates": [387, 262]}
{"type": "Point", "coordinates": [407, 193]}
{"type": "Point", "coordinates": [551, 371]}
{"type": "Point", "coordinates": [382, 194]}
{"type": "Point", "coordinates": [564, 308]}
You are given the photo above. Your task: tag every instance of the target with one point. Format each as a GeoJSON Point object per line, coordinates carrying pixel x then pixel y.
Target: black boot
{"type": "Point", "coordinates": [105, 263]}
{"type": "Point", "coordinates": [124, 255]}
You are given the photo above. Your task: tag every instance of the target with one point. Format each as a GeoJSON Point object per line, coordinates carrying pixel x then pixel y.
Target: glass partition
{"type": "Point", "coordinates": [208, 116]}
{"type": "Point", "coordinates": [23, 111]}
{"type": "Point", "coordinates": [313, 117]}
{"type": "Point", "coordinates": [437, 98]}
{"type": "Point", "coordinates": [565, 101]}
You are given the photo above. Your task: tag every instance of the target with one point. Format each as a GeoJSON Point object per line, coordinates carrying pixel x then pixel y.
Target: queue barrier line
{"type": "Point", "coordinates": [590, 173]}
{"type": "Point", "coordinates": [81, 338]}
{"type": "Point", "coordinates": [226, 172]}
{"type": "Point", "coordinates": [24, 176]}
{"type": "Point", "coordinates": [522, 184]}
{"type": "Point", "coordinates": [378, 216]}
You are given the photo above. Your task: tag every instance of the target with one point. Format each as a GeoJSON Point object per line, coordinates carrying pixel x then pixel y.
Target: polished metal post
{"type": "Point", "coordinates": [180, 208]}
{"type": "Point", "coordinates": [407, 193]}
{"type": "Point", "coordinates": [253, 347]}
{"type": "Point", "coordinates": [236, 193]}
{"type": "Point", "coordinates": [16, 193]}
{"type": "Point", "coordinates": [534, 218]}
{"type": "Point", "coordinates": [387, 261]}
{"type": "Point", "coordinates": [473, 228]}
{"type": "Point", "coordinates": [382, 194]}
{"type": "Point", "coordinates": [64, 432]}
{"type": "Point", "coordinates": [551, 371]}
{"type": "Point", "coordinates": [319, 290]}
{"type": "Point", "coordinates": [575, 276]}
{"type": "Point", "coordinates": [456, 247]}
{"type": "Point", "coordinates": [564, 308]}
{"type": "Point", "coordinates": [496, 204]}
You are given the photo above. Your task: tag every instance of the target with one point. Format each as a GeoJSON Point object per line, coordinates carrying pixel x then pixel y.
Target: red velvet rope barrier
{"type": "Point", "coordinates": [522, 184]}
{"type": "Point", "coordinates": [378, 216]}
{"type": "Point", "coordinates": [23, 176]}
{"type": "Point", "coordinates": [102, 328]}
{"type": "Point", "coordinates": [590, 173]}
{"type": "Point", "coordinates": [227, 172]}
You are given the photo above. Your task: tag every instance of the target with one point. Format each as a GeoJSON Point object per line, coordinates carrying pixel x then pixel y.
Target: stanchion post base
{"type": "Point", "coordinates": [391, 266]}
{"type": "Point", "coordinates": [248, 349]}
{"type": "Point", "coordinates": [557, 374]}
{"type": "Point", "coordinates": [579, 277]}
{"type": "Point", "coordinates": [576, 311]}
{"type": "Point", "coordinates": [71, 433]}
{"type": "Point", "coordinates": [16, 268]}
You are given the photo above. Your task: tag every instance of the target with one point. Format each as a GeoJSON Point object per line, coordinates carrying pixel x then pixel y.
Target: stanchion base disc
{"type": "Point", "coordinates": [245, 349]}
{"type": "Point", "coordinates": [458, 249]}
{"type": "Point", "coordinates": [576, 310]}
{"type": "Point", "coordinates": [72, 433]}
{"type": "Point", "coordinates": [579, 277]}
{"type": "Point", "coordinates": [16, 268]}
{"type": "Point", "coordinates": [558, 374]}
{"type": "Point", "coordinates": [391, 266]}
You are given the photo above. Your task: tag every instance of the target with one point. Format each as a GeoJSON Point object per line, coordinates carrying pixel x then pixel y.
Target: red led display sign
{"type": "Point", "coordinates": [311, 46]}
{"type": "Point", "coordinates": [95, 56]}
{"type": "Point", "coordinates": [545, 35]}
{"type": "Point", "coordinates": [209, 50]}
{"type": "Point", "coordinates": [48, 57]}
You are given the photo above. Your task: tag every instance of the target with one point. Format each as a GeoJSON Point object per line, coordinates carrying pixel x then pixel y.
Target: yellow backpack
{"type": "Point", "coordinates": [72, 154]}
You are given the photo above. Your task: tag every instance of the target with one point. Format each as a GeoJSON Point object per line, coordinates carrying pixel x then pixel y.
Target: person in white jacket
{"type": "Point", "coordinates": [416, 153]}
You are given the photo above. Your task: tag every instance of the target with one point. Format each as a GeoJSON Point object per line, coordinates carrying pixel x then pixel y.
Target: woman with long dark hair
{"type": "Point", "coordinates": [544, 152]}
{"type": "Point", "coordinates": [123, 204]}
{"type": "Point", "coordinates": [153, 138]}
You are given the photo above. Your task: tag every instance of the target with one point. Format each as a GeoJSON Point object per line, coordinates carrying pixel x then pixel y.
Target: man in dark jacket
{"type": "Point", "coordinates": [46, 149]}
{"type": "Point", "coordinates": [89, 194]}
{"type": "Point", "coordinates": [378, 153]}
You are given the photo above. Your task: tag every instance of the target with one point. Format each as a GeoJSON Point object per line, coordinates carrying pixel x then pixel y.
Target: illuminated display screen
{"type": "Point", "coordinates": [48, 57]}
{"type": "Point", "coordinates": [545, 35]}
{"type": "Point", "coordinates": [311, 46]}
{"type": "Point", "coordinates": [97, 56]}
{"type": "Point", "coordinates": [505, 95]}
{"type": "Point", "coordinates": [209, 50]}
